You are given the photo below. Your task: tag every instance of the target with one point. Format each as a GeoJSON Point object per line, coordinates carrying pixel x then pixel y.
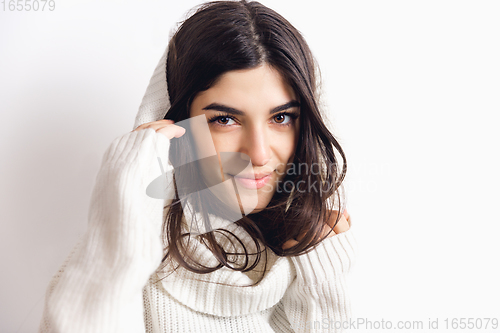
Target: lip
{"type": "Point", "coordinates": [251, 182]}
{"type": "Point", "coordinates": [255, 176]}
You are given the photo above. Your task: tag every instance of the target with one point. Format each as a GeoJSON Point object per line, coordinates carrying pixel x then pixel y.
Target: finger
{"type": "Point", "coordinates": [154, 124]}
{"type": "Point", "coordinates": [348, 217]}
{"type": "Point", "coordinates": [327, 231]}
{"type": "Point", "coordinates": [289, 243]}
{"type": "Point", "coordinates": [165, 127]}
{"type": "Point", "coordinates": [172, 131]}
{"type": "Point", "coordinates": [333, 218]}
{"type": "Point", "coordinates": [301, 235]}
{"type": "Point", "coordinates": [342, 225]}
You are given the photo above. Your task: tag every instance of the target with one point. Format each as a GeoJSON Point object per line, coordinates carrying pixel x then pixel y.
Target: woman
{"type": "Point", "coordinates": [216, 213]}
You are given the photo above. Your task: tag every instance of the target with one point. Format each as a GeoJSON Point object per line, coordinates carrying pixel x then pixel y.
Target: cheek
{"type": "Point", "coordinates": [284, 151]}
{"type": "Point", "coordinates": [220, 143]}
{"type": "Point", "coordinates": [285, 146]}
{"type": "Point", "coordinates": [227, 143]}
{"type": "Point", "coordinates": [202, 137]}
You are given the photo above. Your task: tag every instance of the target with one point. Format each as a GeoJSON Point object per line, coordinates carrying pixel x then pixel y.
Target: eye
{"type": "Point", "coordinates": [224, 120]}
{"type": "Point", "coordinates": [221, 120]}
{"type": "Point", "coordinates": [285, 118]}
{"type": "Point", "coordinates": [280, 119]}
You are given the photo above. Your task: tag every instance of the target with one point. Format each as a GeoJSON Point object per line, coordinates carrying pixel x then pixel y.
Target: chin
{"type": "Point", "coordinates": [252, 207]}
{"type": "Point", "coordinates": [241, 199]}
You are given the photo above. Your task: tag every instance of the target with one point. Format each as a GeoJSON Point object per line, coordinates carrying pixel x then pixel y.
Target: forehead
{"type": "Point", "coordinates": [259, 86]}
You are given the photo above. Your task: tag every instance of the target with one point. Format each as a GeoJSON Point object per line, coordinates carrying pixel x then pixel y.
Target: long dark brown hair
{"type": "Point", "coordinates": [223, 36]}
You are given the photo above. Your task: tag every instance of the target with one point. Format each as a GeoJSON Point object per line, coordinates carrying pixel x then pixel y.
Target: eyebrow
{"type": "Point", "coordinates": [224, 108]}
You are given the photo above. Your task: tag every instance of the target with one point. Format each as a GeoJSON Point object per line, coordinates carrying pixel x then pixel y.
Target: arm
{"type": "Point", "coordinates": [99, 287]}
{"type": "Point", "coordinates": [317, 300]}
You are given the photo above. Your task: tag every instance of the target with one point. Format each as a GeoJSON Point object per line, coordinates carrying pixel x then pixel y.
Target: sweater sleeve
{"type": "Point", "coordinates": [317, 300]}
{"type": "Point", "coordinates": [99, 288]}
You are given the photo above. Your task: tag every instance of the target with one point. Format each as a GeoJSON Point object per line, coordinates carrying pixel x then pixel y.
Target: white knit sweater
{"type": "Point", "coordinates": [109, 281]}
{"type": "Point", "coordinates": [107, 284]}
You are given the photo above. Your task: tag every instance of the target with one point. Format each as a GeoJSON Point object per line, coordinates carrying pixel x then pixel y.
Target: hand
{"type": "Point", "coordinates": [165, 127]}
{"type": "Point", "coordinates": [343, 225]}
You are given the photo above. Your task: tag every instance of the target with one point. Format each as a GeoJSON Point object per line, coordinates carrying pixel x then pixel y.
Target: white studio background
{"type": "Point", "coordinates": [413, 93]}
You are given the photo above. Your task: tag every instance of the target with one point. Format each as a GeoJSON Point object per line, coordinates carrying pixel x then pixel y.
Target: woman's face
{"type": "Point", "coordinates": [253, 112]}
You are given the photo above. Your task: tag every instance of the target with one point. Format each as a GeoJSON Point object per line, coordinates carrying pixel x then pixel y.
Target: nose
{"type": "Point", "coordinates": [257, 146]}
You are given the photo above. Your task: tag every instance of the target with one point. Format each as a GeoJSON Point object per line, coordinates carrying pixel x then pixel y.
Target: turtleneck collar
{"type": "Point", "coordinates": [226, 292]}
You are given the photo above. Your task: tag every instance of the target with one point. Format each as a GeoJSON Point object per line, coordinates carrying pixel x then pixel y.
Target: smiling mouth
{"type": "Point", "coordinates": [251, 182]}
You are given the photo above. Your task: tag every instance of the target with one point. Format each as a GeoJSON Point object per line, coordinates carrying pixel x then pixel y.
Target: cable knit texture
{"type": "Point", "coordinates": [112, 280]}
